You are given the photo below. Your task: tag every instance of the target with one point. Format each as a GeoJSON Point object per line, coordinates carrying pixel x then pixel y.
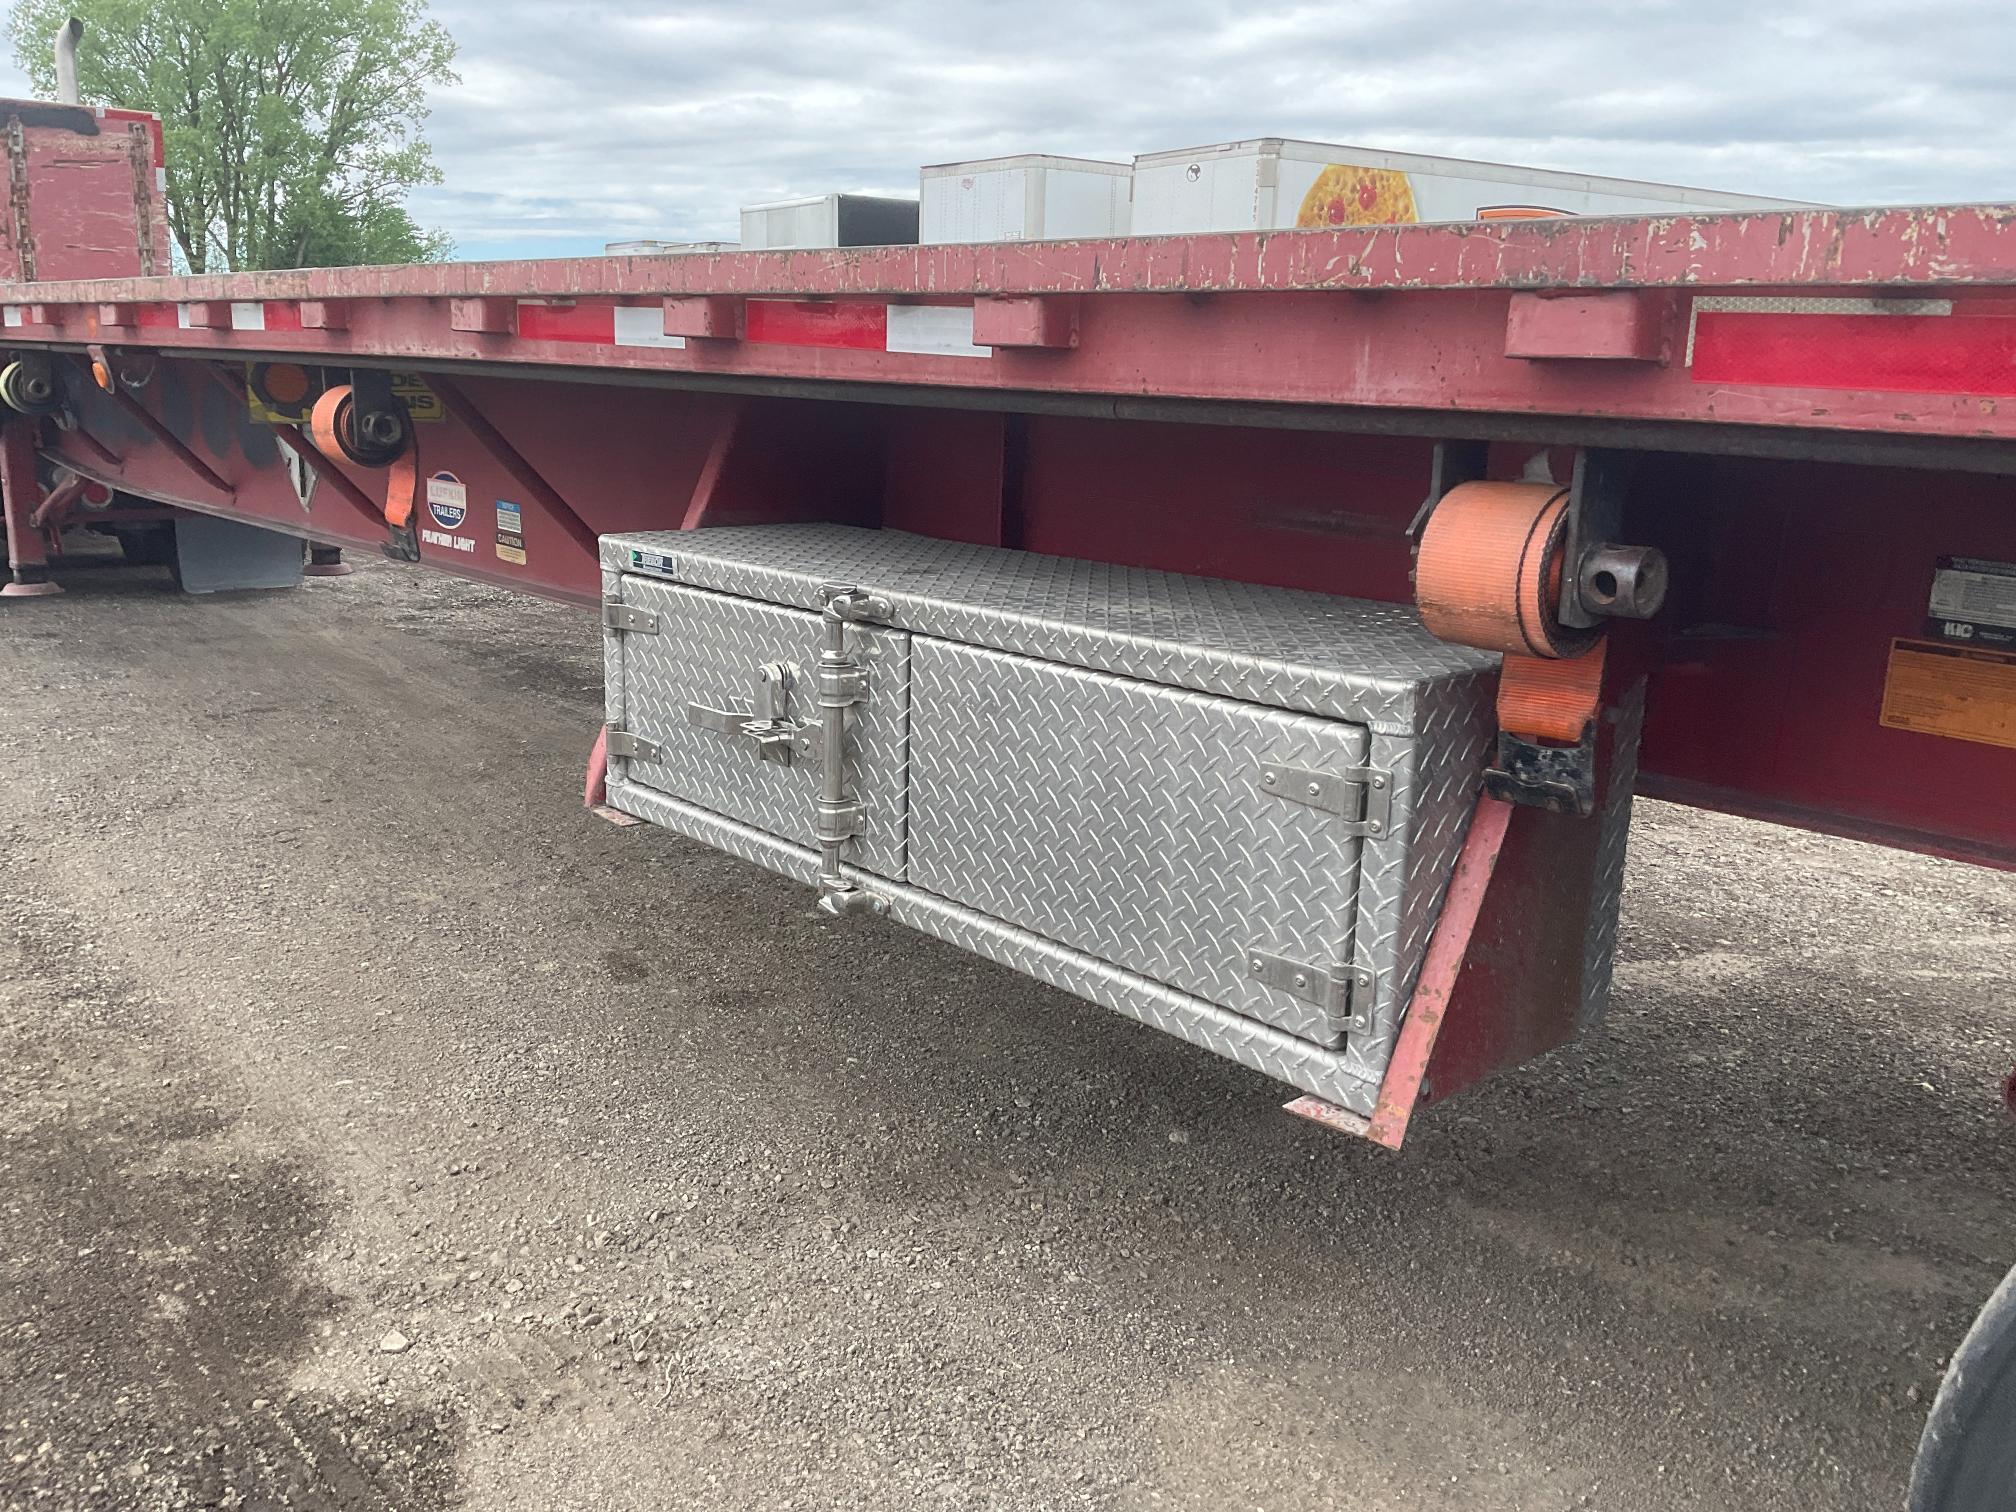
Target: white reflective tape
{"type": "Point", "coordinates": [644, 326]}
{"type": "Point", "coordinates": [1810, 304]}
{"type": "Point", "coordinates": [935, 330]}
{"type": "Point", "coordinates": [161, 179]}
{"type": "Point", "coordinates": [182, 316]}
{"type": "Point", "coordinates": [13, 316]}
{"type": "Point", "coordinates": [248, 315]}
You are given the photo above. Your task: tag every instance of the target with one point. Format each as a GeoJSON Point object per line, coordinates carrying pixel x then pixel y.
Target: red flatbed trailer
{"type": "Point", "coordinates": [1811, 414]}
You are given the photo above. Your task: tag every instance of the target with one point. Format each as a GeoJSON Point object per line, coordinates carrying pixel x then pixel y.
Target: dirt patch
{"type": "Point", "coordinates": [156, 1295]}
{"type": "Point", "coordinates": [328, 1005]}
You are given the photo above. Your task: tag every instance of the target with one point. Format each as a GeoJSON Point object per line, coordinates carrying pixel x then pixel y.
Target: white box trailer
{"type": "Point", "coordinates": [830, 220]}
{"type": "Point", "coordinates": [652, 247]}
{"type": "Point", "coordinates": [1269, 183]}
{"type": "Point", "coordinates": [1033, 197]}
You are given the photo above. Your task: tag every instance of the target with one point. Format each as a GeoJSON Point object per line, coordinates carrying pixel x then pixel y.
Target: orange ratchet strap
{"type": "Point", "coordinates": [1488, 574]}
{"type": "Point", "coordinates": [332, 427]}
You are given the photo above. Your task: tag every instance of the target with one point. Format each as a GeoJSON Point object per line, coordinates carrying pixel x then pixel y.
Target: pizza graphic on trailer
{"type": "Point", "coordinates": [1346, 194]}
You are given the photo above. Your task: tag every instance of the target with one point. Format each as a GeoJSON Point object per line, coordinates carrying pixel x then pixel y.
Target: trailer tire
{"type": "Point", "coordinates": [1967, 1456]}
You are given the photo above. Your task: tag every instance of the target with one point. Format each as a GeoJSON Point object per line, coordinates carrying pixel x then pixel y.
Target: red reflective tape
{"type": "Point", "coordinates": [156, 316]}
{"type": "Point", "coordinates": [1906, 354]}
{"type": "Point", "coordinates": [282, 315]}
{"type": "Point", "coordinates": [590, 323]}
{"type": "Point", "coordinates": [859, 325]}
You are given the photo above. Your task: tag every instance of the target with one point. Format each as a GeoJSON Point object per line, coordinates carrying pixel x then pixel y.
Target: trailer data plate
{"type": "Point", "coordinates": [1224, 810]}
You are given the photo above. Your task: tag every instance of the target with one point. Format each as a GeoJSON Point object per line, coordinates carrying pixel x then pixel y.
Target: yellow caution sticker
{"type": "Point", "coordinates": [1960, 692]}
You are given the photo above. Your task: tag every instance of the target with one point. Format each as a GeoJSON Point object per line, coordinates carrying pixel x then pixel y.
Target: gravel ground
{"type": "Point", "coordinates": [379, 1130]}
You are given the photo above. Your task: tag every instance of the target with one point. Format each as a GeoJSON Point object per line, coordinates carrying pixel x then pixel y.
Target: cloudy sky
{"type": "Point", "coordinates": [578, 125]}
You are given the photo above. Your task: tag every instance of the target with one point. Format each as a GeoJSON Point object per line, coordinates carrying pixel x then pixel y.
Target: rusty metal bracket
{"type": "Point", "coordinates": [96, 447]}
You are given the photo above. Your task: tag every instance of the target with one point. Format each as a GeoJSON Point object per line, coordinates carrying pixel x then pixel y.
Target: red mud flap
{"type": "Point", "coordinates": [595, 792]}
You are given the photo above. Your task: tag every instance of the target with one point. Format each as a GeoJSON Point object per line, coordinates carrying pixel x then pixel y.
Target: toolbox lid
{"type": "Point", "coordinates": [1370, 663]}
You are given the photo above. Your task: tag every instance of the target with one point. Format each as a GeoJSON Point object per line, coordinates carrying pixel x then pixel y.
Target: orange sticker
{"type": "Point", "coordinates": [1962, 693]}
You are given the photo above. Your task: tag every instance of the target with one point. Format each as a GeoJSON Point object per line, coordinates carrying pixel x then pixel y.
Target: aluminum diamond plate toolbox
{"type": "Point", "coordinates": [1228, 811]}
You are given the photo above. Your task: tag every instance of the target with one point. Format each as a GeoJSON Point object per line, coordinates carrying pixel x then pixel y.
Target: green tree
{"type": "Point", "coordinates": [293, 130]}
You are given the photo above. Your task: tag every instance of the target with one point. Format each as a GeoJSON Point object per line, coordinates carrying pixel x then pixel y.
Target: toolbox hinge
{"type": "Point", "coordinates": [622, 617]}
{"type": "Point", "coordinates": [1343, 990]}
{"type": "Point", "coordinates": [1361, 796]}
{"type": "Point", "coordinates": [631, 747]}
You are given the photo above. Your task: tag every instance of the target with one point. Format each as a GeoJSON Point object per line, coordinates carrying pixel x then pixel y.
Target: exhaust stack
{"type": "Point", "coordinates": [66, 61]}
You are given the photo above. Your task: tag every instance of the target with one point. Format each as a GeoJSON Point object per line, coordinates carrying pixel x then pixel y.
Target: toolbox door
{"type": "Point", "coordinates": [701, 666]}
{"type": "Point", "coordinates": [1207, 843]}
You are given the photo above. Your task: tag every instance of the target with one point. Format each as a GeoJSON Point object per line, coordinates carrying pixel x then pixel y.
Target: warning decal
{"type": "Point", "coordinates": [510, 532]}
{"type": "Point", "coordinates": [1973, 600]}
{"type": "Point", "coordinates": [1962, 693]}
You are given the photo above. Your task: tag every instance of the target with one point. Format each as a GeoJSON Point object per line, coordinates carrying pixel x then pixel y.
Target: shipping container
{"type": "Point", "coordinates": [1270, 184]}
{"type": "Point", "coordinates": [1029, 198]}
{"type": "Point", "coordinates": [830, 220]}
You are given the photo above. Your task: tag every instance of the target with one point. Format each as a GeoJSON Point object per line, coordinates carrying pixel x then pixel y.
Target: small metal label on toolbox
{"type": "Point", "coordinates": [1962, 693]}
{"type": "Point", "coordinates": [1973, 601]}
{"type": "Point", "coordinates": [651, 561]}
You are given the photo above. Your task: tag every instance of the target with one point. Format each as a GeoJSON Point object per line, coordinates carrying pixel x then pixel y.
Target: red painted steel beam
{"type": "Point", "coordinates": [172, 443]}
{"type": "Point", "coordinates": [1440, 969]}
{"type": "Point", "coordinates": [1484, 353]}
{"type": "Point", "coordinates": [513, 462]}
{"type": "Point", "coordinates": [93, 445]}
{"type": "Point", "coordinates": [1946, 246]}
{"type": "Point", "coordinates": [727, 434]}
{"type": "Point", "coordinates": [20, 493]}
